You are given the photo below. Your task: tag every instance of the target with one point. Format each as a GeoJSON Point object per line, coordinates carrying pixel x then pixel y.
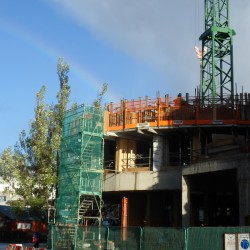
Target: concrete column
{"type": "Point", "coordinates": [179, 156]}
{"type": "Point", "coordinates": [196, 146]}
{"type": "Point", "coordinates": [157, 152]}
{"type": "Point", "coordinates": [166, 152]}
{"type": "Point", "coordinates": [206, 211]}
{"type": "Point", "coordinates": [185, 202]}
{"type": "Point", "coordinates": [243, 185]}
{"type": "Point", "coordinates": [175, 208]}
{"type": "Point", "coordinates": [148, 214]}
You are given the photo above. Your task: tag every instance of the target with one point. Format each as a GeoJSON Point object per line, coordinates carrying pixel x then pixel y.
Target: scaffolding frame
{"type": "Point", "coordinates": [79, 194]}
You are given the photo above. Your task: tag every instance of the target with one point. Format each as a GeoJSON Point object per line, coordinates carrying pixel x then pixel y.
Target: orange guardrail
{"type": "Point", "coordinates": [164, 112]}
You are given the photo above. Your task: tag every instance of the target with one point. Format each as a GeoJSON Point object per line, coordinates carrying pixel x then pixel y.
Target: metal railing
{"type": "Point", "coordinates": [179, 111]}
{"type": "Point", "coordinates": [146, 238]}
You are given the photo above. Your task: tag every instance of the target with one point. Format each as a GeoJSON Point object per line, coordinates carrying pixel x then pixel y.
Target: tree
{"type": "Point", "coordinates": [31, 168]}
{"type": "Point", "coordinates": [98, 101]}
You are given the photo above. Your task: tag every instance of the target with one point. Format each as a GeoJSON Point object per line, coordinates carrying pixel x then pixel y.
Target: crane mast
{"type": "Point", "coordinates": [217, 60]}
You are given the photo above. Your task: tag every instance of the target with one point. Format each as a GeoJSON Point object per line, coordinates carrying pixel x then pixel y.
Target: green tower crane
{"type": "Point", "coordinates": [217, 60]}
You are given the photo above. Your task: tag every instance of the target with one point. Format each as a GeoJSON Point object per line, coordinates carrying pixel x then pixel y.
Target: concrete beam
{"type": "Point", "coordinates": [150, 180]}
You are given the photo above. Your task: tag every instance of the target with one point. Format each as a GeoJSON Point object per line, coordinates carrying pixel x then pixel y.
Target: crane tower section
{"type": "Point", "coordinates": [217, 60]}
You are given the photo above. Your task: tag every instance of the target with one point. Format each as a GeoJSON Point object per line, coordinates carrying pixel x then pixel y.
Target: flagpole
{"type": "Point", "coordinates": [199, 56]}
{"type": "Point", "coordinates": [200, 94]}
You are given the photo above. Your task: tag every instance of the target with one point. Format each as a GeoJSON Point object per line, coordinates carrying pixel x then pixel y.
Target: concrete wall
{"type": "Point", "coordinates": [216, 164]}
{"type": "Point", "coordinates": [239, 162]}
{"type": "Point", "coordinates": [131, 181]}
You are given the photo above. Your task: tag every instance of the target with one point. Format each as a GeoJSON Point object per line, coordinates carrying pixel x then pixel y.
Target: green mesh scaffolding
{"type": "Point", "coordinates": [80, 174]}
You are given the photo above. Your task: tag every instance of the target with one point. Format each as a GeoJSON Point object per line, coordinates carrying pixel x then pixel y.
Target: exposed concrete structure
{"type": "Point", "coordinates": [141, 181]}
{"type": "Point", "coordinates": [178, 165]}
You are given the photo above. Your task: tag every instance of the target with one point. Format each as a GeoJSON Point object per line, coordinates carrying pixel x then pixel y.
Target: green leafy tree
{"type": "Point", "coordinates": [30, 169]}
{"type": "Point", "coordinates": [98, 101]}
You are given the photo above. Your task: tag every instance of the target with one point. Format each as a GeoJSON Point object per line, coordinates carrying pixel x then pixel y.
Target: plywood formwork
{"type": "Point", "coordinates": [125, 154]}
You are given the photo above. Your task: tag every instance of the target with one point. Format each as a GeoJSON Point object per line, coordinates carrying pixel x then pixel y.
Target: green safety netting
{"type": "Point", "coordinates": [80, 171]}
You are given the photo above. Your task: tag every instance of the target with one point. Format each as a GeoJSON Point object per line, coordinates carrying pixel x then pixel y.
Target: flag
{"type": "Point", "coordinates": [198, 52]}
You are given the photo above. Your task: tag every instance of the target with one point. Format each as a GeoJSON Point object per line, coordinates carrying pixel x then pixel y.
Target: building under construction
{"type": "Point", "coordinates": [179, 164]}
{"type": "Point", "coordinates": [179, 161]}
{"type": "Point", "coordinates": [183, 161]}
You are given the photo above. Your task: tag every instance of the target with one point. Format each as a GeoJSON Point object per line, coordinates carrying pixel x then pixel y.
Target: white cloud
{"type": "Point", "coordinates": [240, 21]}
{"type": "Point", "coordinates": [162, 33]}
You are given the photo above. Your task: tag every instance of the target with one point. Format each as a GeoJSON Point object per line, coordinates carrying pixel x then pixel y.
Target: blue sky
{"type": "Point", "coordinates": [137, 47]}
